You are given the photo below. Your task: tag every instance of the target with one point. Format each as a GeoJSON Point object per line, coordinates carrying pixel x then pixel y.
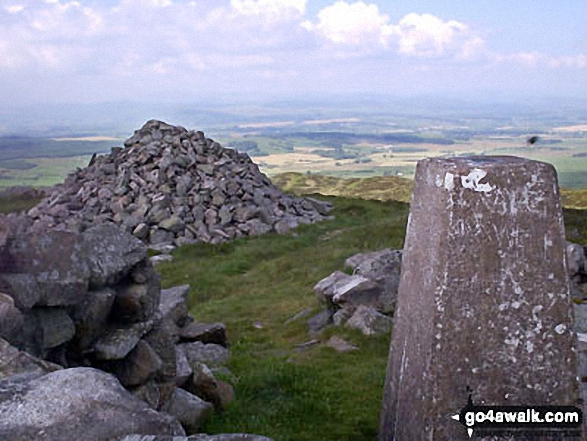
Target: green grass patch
{"type": "Point", "coordinates": [283, 393]}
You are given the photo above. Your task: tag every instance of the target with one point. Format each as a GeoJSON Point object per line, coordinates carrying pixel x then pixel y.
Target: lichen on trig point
{"type": "Point", "coordinates": [483, 309]}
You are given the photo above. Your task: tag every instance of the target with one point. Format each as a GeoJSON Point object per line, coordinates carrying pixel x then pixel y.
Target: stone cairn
{"type": "Point", "coordinates": [171, 186]}
{"type": "Point", "coordinates": [84, 326]}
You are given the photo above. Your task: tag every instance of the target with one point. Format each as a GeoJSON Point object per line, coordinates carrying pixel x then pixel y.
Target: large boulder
{"type": "Point", "coordinates": [69, 403]}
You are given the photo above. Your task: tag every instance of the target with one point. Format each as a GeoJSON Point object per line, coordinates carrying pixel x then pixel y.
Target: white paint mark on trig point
{"type": "Point", "coordinates": [471, 181]}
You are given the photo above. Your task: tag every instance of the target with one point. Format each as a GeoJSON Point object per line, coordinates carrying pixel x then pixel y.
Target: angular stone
{"type": "Point", "coordinates": [15, 362]}
{"type": "Point", "coordinates": [91, 315]}
{"type": "Point", "coordinates": [173, 224]}
{"type": "Point", "coordinates": [370, 322]}
{"type": "Point", "coordinates": [116, 343]}
{"type": "Point", "coordinates": [110, 252]}
{"type": "Point", "coordinates": [11, 319]}
{"type": "Point", "coordinates": [183, 370]}
{"type": "Point", "coordinates": [23, 288]}
{"type": "Point", "coordinates": [340, 289]}
{"type": "Point", "coordinates": [490, 312]}
{"type": "Point", "coordinates": [575, 258]}
{"type": "Point", "coordinates": [208, 354]}
{"type": "Point", "coordinates": [341, 316]}
{"type": "Point", "coordinates": [174, 303]}
{"type": "Point", "coordinates": [190, 410]}
{"type": "Point", "coordinates": [55, 325]}
{"type": "Point", "coordinates": [141, 231]}
{"type": "Point", "coordinates": [204, 332]}
{"type": "Point", "coordinates": [340, 345]}
{"type": "Point", "coordinates": [138, 366]}
{"type": "Point", "coordinates": [138, 302]}
{"type": "Point", "coordinates": [162, 339]}
{"type": "Point", "coordinates": [321, 207]}
{"type": "Point", "coordinates": [319, 322]}
{"type": "Point", "coordinates": [149, 392]}
{"type": "Point", "coordinates": [70, 404]}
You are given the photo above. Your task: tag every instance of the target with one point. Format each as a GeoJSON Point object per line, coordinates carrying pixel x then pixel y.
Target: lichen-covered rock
{"type": "Point", "coordinates": [174, 304]}
{"type": "Point", "coordinates": [90, 317]}
{"type": "Point", "coordinates": [73, 403]}
{"type": "Point", "coordinates": [204, 332]}
{"type": "Point", "coordinates": [138, 366]}
{"type": "Point", "coordinates": [190, 410]}
{"type": "Point", "coordinates": [110, 253]}
{"type": "Point", "coordinates": [116, 343]}
{"type": "Point", "coordinates": [369, 321]}
{"type": "Point", "coordinates": [208, 354]}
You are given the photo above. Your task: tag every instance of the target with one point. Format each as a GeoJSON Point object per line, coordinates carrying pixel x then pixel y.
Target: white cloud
{"type": "Point", "coordinates": [14, 9]}
{"type": "Point", "coordinates": [428, 35]}
{"type": "Point", "coordinates": [362, 24]}
{"type": "Point", "coordinates": [533, 60]}
{"type": "Point", "coordinates": [275, 10]}
{"type": "Point", "coordinates": [354, 24]}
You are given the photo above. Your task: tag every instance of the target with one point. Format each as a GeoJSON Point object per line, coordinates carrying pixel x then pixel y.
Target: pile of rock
{"type": "Point", "coordinates": [362, 300]}
{"type": "Point", "coordinates": [90, 344]}
{"type": "Point", "coordinates": [173, 186]}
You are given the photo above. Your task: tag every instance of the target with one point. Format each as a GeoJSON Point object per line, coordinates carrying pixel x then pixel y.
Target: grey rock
{"type": "Point", "coordinates": [66, 403]}
{"type": "Point", "coordinates": [141, 231]}
{"type": "Point", "coordinates": [16, 362]}
{"type": "Point", "coordinates": [22, 288]}
{"type": "Point", "coordinates": [162, 340]}
{"type": "Point", "coordinates": [321, 207]}
{"type": "Point", "coordinates": [575, 258]}
{"type": "Point", "coordinates": [580, 311]}
{"type": "Point", "coordinates": [204, 332]}
{"type": "Point", "coordinates": [138, 366]}
{"type": "Point", "coordinates": [161, 258]}
{"type": "Point", "coordinates": [203, 384]}
{"type": "Point", "coordinates": [174, 303]}
{"type": "Point", "coordinates": [340, 289]}
{"type": "Point", "coordinates": [189, 410]}
{"type": "Point", "coordinates": [370, 322]}
{"type": "Point", "coordinates": [208, 354]}
{"type": "Point", "coordinates": [55, 325]}
{"type": "Point", "coordinates": [11, 319]}
{"type": "Point", "coordinates": [182, 367]}
{"type": "Point", "coordinates": [340, 345]}
{"type": "Point", "coordinates": [110, 252]}
{"type": "Point", "coordinates": [116, 343]}
{"type": "Point", "coordinates": [173, 224]}
{"type": "Point", "coordinates": [91, 315]}
{"type": "Point", "coordinates": [319, 322]}
{"type": "Point", "coordinates": [149, 392]}
{"type": "Point", "coordinates": [138, 301]}
{"type": "Point", "coordinates": [341, 316]}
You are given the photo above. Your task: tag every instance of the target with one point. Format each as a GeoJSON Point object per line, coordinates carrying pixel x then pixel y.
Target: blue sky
{"type": "Point", "coordinates": [86, 51]}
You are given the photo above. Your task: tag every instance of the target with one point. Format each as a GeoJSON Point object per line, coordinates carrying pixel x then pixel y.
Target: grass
{"type": "Point", "coordinates": [283, 393]}
{"type": "Point", "coordinates": [14, 204]}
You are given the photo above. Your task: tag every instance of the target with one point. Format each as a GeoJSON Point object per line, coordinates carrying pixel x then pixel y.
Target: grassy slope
{"type": "Point", "coordinates": [282, 393]}
{"type": "Point", "coordinates": [384, 188]}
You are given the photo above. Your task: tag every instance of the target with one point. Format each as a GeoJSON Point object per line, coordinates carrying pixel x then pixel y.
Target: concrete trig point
{"type": "Point", "coordinates": [484, 300]}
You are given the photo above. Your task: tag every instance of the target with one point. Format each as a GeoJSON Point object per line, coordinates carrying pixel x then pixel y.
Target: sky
{"type": "Point", "coordinates": [90, 51]}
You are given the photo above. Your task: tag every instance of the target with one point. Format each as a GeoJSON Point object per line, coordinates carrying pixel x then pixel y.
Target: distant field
{"type": "Point", "coordinates": [44, 172]}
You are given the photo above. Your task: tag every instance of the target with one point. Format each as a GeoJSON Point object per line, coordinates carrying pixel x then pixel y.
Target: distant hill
{"type": "Point", "coordinates": [383, 188]}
